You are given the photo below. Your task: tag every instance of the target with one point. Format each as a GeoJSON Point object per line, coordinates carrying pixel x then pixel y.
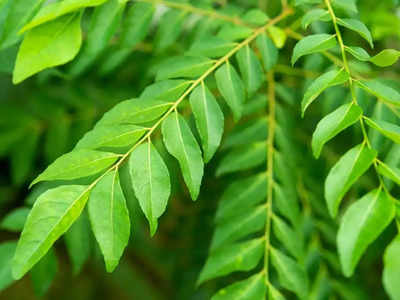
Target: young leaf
{"type": "Point", "coordinates": [242, 256]}
{"type": "Point", "coordinates": [334, 123]}
{"type": "Point", "coordinates": [231, 87]}
{"type": "Point", "coordinates": [389, 130]}
{"type": "Point", "coordinates": [358, 27]}
{"type": "Point", "coordinates": [391, 271]}
{"type": "Point", "coordinates": [278, 35]}
{"type": "Point", "coordinates": [250, 69]}
{"type": "Point", "coordinates": [211, 46]}
{"type": "Point", "coordinates": [166, 90]}
{"type": "Point", "coordinates": [15, 220]}
{"type": "Point", "coordinates": [44, 272]}
{"type": "Point", "coordinates": [151, 183]}
{"type": "Point", "coordinates": [77, 164]}
{"type": "Point", "coordinates": [52, 44]}
{"type": "Point", "coordinates": [345, 173]}
{"type": "Point", "coordinates": [250, 288]}
{"type": "Point", "coordinates": [52, 215]}
{"type": "Point", "coordinates": [362, 223]}
{"type": "Point", "coordinates": [380, 90]}
{"type": "Point", "coordinates": [313, 15]}
{"type": "Point", "coordinates": [269, 53]}
{"type": "Point", "coordinates": [386, 58]}
{"type": "Point", "coordinates": [209, 119]}
{"type": "Point", "coordinates": [320, 84]}
{"type": "Point", "coordinates": [109, 218]}
{"type": "Point", "coordinates": [313, 44]}
{"type": "Point", "coordinates": [55, 10]}
{"type": "Point", "coordinates": [111, 136]}
{"type": "Point", "coordinates": [7, 250]}
{"type": "Point", "coordinates": [243, 158]}
{"type": "Point", "coordinates": [183, 67]}
{"type": "Point", "coordinates": [134, 111]}
{"type": "Point", "coordinates": [181, 144]}
{"type": "Point", "coordinates": [291, 275]}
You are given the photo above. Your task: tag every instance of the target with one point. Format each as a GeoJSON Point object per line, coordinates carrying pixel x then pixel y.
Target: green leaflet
{"type": "Point", "coordinates": [209, 119]}
{"type": "Point", "coordinates": [291, 275]}
{"type": "Point", "coordinates": [243, 158]}
{"type": "Point", "coordinates": [243, 256]}
{"type": "Point", "coordinates": [231, 32]}
{"type": "Point", "coordinates": [391, 271]}
{"type": "Point", "coordinates": [231, 87]}
{"type": "Point", "coordinates": [314, 15]}
{"type": "Point", "coordinates": [241, 195]}
{"type": "Point", "coordinates": [134, 111]}
{"type": "Point", "coordinates": [345, 173]}
{"type": "Point", "coordinates": [7, 250]}
{"type": "Point", "coordinates": [52, 215]}
{"type": "Point", "coordinates": [392, 173]}
{"type": "Point", "coordinates": [109, 218]}
{"type": "Point", "coordinates": [349, 6]}
{"type": "Point", "coordinates": [313, 44]}
{"type": "Point", "coordinates": [362, 223]}
{"type": "Point", "coordinates": [181, 144]}
{"type": "Point", "coordinates": [15, 220]}
{"type": "Point", "coordinates": [358, 27]}
{"type": "Point", "coordinates": [334, 123]}
{"type": "Point", "coordinates": [249, 132]}
{"type": "Point", "coordinates": [77, 164]}
{"type": "Point", "coordinates": [358, 53]}
{"type": "Point", "coordinates": [250, 69]}
{"type": "Point", "coordinates": [386, 58]}
{"type": "Point", "coordinates": [288, 237]}
{"type": "Point", "coordinates": [380, 90]}
{"type": "Point", "coordinates": [169, 29]}
{"type": "Point", "coordinates": [183, 67]}
{"type": "Point", "coordinates": [278, 35]}
{"type": "Point", "coordinates": [211, 46]}
{"type": "Point", "coordinates": [111, 136]}
{"type": "Point", "coordinates": [250, 288]}
{"type": "Point", "coordinates": [389, 130]}
{"type": "Point", "coordinates": [52, 44]}
{"type": "Point", "coordinates": [151, 182]}
{"type": "Point", "coordinates": [239, 226]}
{"type": "Point", "coordinates": [166, 90]}
{"type": "Point", "coordinates": [44, 272]}
{"type": "Point", "coordinates": [269, 52]}
{"type": "Point", "coordinates": [256, 17]}
{"type": "Point", "coordinates": [78, 242]}
{"type": "Point", "coordinates": [286, 204]}
{"type": "Point", "coordinates": [320, 84]}
{"type": "Point", "coordinates": [55, 10]}
{"type": "Point", "coordinates": [103, 24]}
{"type": "Point", "coordinates": [274, 294]}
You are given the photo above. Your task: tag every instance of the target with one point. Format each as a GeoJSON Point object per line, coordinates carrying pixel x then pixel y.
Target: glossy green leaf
{"type": "Point", "coordinates": [52, 44]}
{"type": "Point", "coordinates": [392, 131]}
{"type": "Point", "coordinates": [358, 27]}
{"type": "Point", "coordinates": [269, 52]}
{"type": "Point", "coordinates": [181, 144]}
{"type": "Point", "coordinates": [243, 158]}
{"type": "Point", "coordinates": [358, 53]}
{"type": "Point", "coordinates": [209, 119]}
{"type": "Point", "coordinates": [250, 68]}
{"type": "Point", "coordinates": [242, 256]}
{"type": "Point", "coordinates": [291, 275]}
{"type": "Point", "coordinates": [109, 218]}
{"type": "Point", "coordinates": [390, 172]}
{"type": "Point", "coordinates": [345, 173]}
{"type": "Point", "coordinates": [111, 136]}
{"type": "Point", "coordinates": [7, 250]}
{"type": "Point", "coordinates": [135, 111]}
{"type": "Point", "coordinates": [166, 90]}
{"type": "Point", "coordinates": [334, 123]}
{"type": "Point", "coordinates": [380, 90]}
{"type": "Point", "coordinates": [250, 288]}
{"type": "Point", "coordinates": [391, 271]}
{"type": "Point", "coordinates": [183, 67]}
{"type": "Point", "coordinates": [151, 182]}
{"type": "Point", "coordinates": [52, 215]}
{"type": "Point", "coordinates": [211, 46]}
{"type": "Point", "coordinates": [55, 10]}
{"type": "Point", "coordinates": [77, 164]}
{"type": "Point", "coordinates": [15, 220]}
{"type": "Point", "coordinates": [386, 58]}
{"type": "Point", "coordinates": [314, 15]}
{"type": "Point", "coordinates": [231, 87]}
{"type": "Point", "coordinates": [362, 223]}
{"type": "Point", "coordinates": [44, 272]}
{"type": "Point", "coordinates": [313, 44]}
{"type": "Point", "coordinates": [320, 84]}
